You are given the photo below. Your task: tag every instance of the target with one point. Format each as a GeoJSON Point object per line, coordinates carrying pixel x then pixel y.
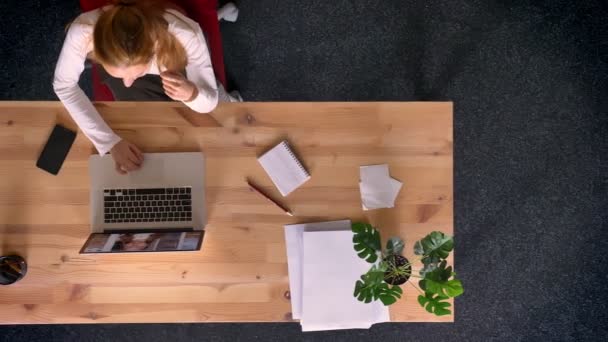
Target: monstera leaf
{"type": "Point", "coordinates": [435, 304]}
{"type": "Point", "coordinates": [427, 268]}
{"type": "Point", "coordinates": [366, 289]}
{"type": "Point", "coordinates": [367, 241]}
{"type": "Point", "coordinates": [372, 287]}
{"type": "Point", "coordinates": [389, 293]}
{"type": "Point", "coordinates": [434, 248]}
{"type": "Point", "coordinates": [394, 245]}
{"type": "Point", "coordinates": [438, 282]}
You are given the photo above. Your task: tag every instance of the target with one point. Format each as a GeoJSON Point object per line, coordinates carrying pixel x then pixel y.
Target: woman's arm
{"type": "Point", "coordinates": [67, 72]}
{"type": "Point", "coordinates": [199, 70]}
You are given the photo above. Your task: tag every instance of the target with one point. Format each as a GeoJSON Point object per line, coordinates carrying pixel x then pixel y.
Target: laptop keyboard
{"type": "Point", "coordinates": [147, 205]}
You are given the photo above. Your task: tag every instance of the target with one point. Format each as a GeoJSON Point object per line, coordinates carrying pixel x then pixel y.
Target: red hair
{"type": "Point", "coordinates": [132, 32]}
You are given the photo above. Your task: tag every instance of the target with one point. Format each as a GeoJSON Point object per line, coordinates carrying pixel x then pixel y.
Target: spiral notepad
{"type": "Point", "coordinates": [284, 168]}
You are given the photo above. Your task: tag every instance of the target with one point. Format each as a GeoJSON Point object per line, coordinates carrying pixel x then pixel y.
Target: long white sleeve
{"type": "Point", "coordinates": [67, 72]}
{"type": "Point", "coordinates": [199, 69]}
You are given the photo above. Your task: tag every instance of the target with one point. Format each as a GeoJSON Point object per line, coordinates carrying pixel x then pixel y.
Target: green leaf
{"type": "Point", "coordinates": [454, 288]}
{"type": "Point", "coordinates": [390, 294]}
{"type": "Point", "coordinates": [435, 304]}
{"type": "Point", "coordinates": [394, 245]}
{"type": "Point", "coordinates": [434, 248]}
{"type": "Point", "coordinates": [438, 281]}
{"type": "Point", "coordinates": [366, 240]}
{"type": "Point", "coordinates": [372, 287]}
{"type": "Point", "coordinates": [418, 250]}
{"type": "Point", "coordinates": [361, 293]}
{"type": "Point", "coordinates": [366, 289]}
{"type": "Point", "coordinates": [398, 290]}
{"type": "Point", "coordinates": [427, 268]}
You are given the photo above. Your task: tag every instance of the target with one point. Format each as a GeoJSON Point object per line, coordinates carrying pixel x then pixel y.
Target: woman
{"type": "Point", "coordinates": [134, 41]}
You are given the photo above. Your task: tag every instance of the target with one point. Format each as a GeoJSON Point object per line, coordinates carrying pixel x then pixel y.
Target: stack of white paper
{"type": "Point", "coordinates": [323, 269]}
{"type": "Point", "coordinates": [378, 189]}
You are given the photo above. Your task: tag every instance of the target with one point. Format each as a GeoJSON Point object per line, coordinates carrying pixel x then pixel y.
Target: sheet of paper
{"type": "Point", "coordinates": [373, 196]}
{"type": "Point", "coordinates": [374, 173]}
{"type": "Point", "coordinates": [330, 269]}
{"type": "Point", "coordinates": [378, 189]}
{"type": "Point", "coordinates": [395, 187]}
{"type": "Point", "coordinates": [293, 242]}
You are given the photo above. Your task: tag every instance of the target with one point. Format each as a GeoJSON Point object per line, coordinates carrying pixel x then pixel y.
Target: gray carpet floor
{"type": "Point", "coordinates": [529, 85]}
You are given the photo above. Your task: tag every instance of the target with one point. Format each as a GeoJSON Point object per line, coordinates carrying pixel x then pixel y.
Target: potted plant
{"type": "Point", "coordinates": [390, 269]}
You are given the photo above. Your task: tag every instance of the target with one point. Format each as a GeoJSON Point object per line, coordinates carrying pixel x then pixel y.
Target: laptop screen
{"type": "Point", "coordinates": [143, 241]}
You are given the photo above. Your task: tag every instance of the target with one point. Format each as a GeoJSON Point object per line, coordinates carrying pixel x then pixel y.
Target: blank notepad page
{"type": "Point", "coordinates": [283, 168]}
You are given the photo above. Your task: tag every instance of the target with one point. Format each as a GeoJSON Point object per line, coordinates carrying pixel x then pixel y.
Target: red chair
{"type": "Point", "coordinates": [204, 12]}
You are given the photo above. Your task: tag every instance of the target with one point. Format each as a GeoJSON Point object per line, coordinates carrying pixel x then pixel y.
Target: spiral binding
{"type": "Point", "coordinates": [286, 144]}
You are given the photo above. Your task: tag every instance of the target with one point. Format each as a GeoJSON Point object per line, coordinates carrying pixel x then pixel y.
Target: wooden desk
{"type": "Point", "coordinates": [240, 275]}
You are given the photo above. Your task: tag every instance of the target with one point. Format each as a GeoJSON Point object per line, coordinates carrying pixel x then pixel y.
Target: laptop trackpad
{"type": "Point", "coordinates": [151, 172]}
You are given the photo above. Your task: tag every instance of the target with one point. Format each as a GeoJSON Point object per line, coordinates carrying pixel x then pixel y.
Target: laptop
{"type": "Point", "coordinates": [158, 208]}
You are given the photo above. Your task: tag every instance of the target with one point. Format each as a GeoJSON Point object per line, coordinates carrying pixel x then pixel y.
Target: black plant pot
{"type": "Point", "coordinates": [400, 262]}
{"type": "Point", "coordinates": [12, 269]}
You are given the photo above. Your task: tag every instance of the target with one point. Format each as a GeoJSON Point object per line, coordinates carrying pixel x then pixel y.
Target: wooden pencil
{"type": "Point", "coordinates": [259, 191]}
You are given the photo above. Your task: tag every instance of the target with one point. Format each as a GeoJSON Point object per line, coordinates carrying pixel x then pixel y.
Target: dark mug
{"type": "Point", "coordinates": [12, 269]}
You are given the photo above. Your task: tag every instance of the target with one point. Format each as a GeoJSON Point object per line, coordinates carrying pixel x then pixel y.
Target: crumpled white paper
{"type": "Point", "coordinates": [378, 189]}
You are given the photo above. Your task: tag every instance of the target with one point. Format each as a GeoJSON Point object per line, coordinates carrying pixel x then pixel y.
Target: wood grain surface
{"type": "Point", "coordinates": [240, 275]}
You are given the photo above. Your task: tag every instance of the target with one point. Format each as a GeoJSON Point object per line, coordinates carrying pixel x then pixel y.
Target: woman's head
{"type": "Point", "coordinates": [127, 37]}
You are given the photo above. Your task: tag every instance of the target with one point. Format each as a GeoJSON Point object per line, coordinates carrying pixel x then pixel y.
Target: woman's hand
{"type": "Point", "coordinates": [127, 157]}
{"type": "Point", "coordinates": [178, 87]}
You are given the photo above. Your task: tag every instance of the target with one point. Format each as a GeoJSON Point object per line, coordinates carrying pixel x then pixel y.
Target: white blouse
{"type": "Point", "coordinates": [79, 42]}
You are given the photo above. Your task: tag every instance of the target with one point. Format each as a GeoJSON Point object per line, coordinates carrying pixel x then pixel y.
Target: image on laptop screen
{"type": "Point", "coordinates": [143, 241]}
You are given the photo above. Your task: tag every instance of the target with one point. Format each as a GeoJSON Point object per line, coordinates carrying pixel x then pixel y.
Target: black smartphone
{"type": "Point", "coordinates": [56, 149]}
